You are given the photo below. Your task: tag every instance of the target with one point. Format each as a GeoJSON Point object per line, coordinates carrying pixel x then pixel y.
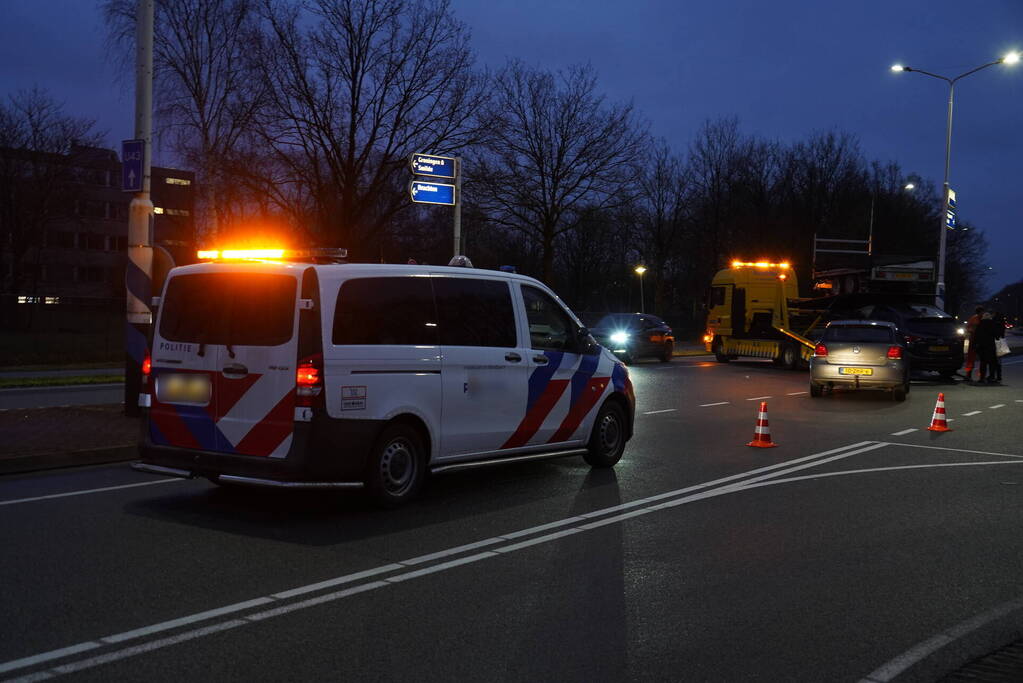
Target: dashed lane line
{"type": "Point", "coordinates": [905, 431]}
{"type": "Point", "coordinates": [996, 406]}
{"type": "Point", "coordinates": [797, 393]}
{"type": "Point", "coordinates": [655, 412]}
{"type": "Point", "coordinates": [719, 403]}
{"type": "Point", "coordinates": [759, 398]}
{"type": "Point", "coordinates": [973, 412]}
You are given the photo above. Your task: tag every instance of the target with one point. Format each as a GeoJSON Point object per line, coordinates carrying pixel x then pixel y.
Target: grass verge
{"type": "Point", "coordinates": [77, 380]}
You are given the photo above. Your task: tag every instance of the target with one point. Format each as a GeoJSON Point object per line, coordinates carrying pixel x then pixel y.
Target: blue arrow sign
{"type": "Point", "coordinates": [950, 218]}
{"type": "Point", "coordinates": [431, 165]}
{"type": "Point", "coordinates": [133, 153]}
{"type": "Point", "coordinates": [432, 193]}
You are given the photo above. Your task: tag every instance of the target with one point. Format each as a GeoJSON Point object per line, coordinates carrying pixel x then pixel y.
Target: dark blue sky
{"type": "Point", "coordinates": [785, 68]}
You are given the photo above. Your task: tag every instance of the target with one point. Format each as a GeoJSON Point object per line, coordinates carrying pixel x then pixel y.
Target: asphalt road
{"type": "Point", "coordinates": [697, 558]}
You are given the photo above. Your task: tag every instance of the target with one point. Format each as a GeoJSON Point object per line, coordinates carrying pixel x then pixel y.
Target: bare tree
{"type": "Point", "coordinates": [206, 97]}
{"type": "Point", "coordinates": [661, 214]}
{"type": "Point", "coordinates": [354, 87]}
{"type": "Point", "coordinates": [558, 151]}
{"type": "Point", "coordinates": [37, 144]}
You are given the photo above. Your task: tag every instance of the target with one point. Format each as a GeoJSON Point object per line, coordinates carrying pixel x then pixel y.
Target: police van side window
{"type": "Point", "coordinates": [385, 310]}
{"type": "Point", "coordinates": [550, 328]}
{"type": "Point", "coordinates": [474, 312]}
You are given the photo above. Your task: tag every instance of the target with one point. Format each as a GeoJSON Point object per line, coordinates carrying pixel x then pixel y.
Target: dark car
{"type": "Point", "coordinates": [934, 339]}
{"type": "Point", "coordinates": [634, 335]}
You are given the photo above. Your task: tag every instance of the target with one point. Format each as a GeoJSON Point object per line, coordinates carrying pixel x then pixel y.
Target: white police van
{"type": "Point", "coordinates": [298, 374]}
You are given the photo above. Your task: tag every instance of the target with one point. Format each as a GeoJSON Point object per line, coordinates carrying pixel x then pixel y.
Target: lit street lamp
{"type": "Point", "coordinates": [1010, 58]}
{"type": "Point", "coordinates": [639, 271]}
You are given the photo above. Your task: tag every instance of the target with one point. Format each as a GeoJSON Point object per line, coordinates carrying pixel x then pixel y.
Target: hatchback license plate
{"type": "Point", "coordinates": [856, 371]}
{"type": "Point", "coordinates": [179, 387]}
{"type": "Point", "coordinates": [937, 349]}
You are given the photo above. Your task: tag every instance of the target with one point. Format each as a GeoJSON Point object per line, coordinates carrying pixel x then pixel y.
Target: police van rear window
{"type": "Point", "coordinates": [243, 309]}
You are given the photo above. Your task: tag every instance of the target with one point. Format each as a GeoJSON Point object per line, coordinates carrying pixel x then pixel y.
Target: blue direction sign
{"type": "Point", "coordinates": [431, 165]}
{"type": "Point", "coordinates": [132, 155]}
{"type": "Point", "coordinates": [423, 192]}
{"type": "Point", "coordinates": [950, 218]}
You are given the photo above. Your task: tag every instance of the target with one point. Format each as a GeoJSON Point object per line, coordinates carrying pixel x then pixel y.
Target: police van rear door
{"type": "Point", "coordinates": [235, 327]}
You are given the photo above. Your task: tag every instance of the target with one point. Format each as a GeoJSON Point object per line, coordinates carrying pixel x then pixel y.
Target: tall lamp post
{"type": "Point", "coordinates": [1010, 58]}
{"type": "Point", "coordinates": [639, 271]}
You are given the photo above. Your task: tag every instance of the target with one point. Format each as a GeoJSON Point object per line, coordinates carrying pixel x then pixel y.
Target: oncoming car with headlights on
{"type": "Point", "coordinates": [295, 373]}
{"type": "Point", "coordinates": [859, 354]}
{"type": "Point", "coordinates": [631, 336]}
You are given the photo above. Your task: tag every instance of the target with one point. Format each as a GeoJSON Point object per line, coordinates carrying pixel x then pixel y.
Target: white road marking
{"type": "Point", "coordinates": [783, 467]}
{"type": "Point", "coordinates": [972, 412]}
{"type": "Point", "coordinates": [957, 450]}
{"type": "Point", "coordinates": [759, 398]}
{"type": "Point", "coordinates": [920, 651]}
{"type": "Point", "coordinates": [797, 393]}
{"type": "Point", "coordinates": [655, 412]}
{"type": "Point", "coordinates": [82, 493]}
{"type": "Point", "coordinates": [905, 431]}
{"type": "Point", "coordinates": [719, 403]}
{"type": "Point", "coordinates": [183, 621]}
{"type": "Point", "coordinates": [824, 475]}
{"type": "Point", "coordinates": [996, 406]}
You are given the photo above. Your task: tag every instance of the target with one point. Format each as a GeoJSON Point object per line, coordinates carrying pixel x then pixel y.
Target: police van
{"type": "Point", "coordinates": [285, 371]}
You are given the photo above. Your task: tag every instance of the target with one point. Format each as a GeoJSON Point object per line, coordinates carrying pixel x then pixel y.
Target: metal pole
{"type": "Point", "coordinates": [642, 302]}
{"type": "Point", "coordinates": [458, 205]}
{"type": "Point", "coordinates": [939, 294]}
{"type": "Point", "coordinates": [139, 274]}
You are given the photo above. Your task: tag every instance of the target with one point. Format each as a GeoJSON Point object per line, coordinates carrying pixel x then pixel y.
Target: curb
{"type": "Point", "coordinates": [955, 647]}
{"type": "Point", "coordinates": [59, 459]}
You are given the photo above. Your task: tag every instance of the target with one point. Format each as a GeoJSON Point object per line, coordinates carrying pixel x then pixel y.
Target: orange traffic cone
{"type": "Point", "coordinates": [938, 421]}
{"type": "Point", "coordinates": [762, 432]}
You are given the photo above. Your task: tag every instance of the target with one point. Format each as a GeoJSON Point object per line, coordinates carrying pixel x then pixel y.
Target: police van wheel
{"type": "Point", "coordinates": [607, 442]}
{"type": "Point", "coordinates": [396, 467]}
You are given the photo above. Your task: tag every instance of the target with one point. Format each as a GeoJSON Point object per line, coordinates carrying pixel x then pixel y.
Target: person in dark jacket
{"type": "Point", "coordinates": [984, 338]}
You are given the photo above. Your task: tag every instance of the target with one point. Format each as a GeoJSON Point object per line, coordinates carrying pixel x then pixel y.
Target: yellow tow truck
{"type": "Point", "coordinates": [749, 315]}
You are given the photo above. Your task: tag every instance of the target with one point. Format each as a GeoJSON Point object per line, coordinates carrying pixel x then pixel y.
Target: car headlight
{"type": "Point", "coordinates": [620, 337]}
{"type": "Point", "coordinates": [961, 330]}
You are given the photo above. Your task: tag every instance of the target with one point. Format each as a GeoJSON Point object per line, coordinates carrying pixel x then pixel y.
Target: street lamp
{"type": "Point", "coordinates": [639, 270]}
{"type": "Point", "coordinates": [1010, 58]}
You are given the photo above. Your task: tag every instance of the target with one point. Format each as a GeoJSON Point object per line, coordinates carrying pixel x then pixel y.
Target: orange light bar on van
{"type": "Point", "coordinates": [237, 254]}
{"type": "Point", "coordinates": [784, 265]}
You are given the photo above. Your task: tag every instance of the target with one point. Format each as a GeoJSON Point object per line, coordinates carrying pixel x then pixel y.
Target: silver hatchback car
{"type": "Point", "coordinates": [860, 354]}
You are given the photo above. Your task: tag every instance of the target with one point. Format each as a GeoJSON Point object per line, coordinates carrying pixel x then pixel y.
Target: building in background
{"type": "Point", "coordinates": [65, 234]}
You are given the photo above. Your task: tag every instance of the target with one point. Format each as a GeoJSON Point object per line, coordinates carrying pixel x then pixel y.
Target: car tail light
{"type": "Point", "coordinates": [309, 382]}
{"type": "Point", "coordinates": [895, 352]}
{"type": "Point", "coordinates": [820, 351]}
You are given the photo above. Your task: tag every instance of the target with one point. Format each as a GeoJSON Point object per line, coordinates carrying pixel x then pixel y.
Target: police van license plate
{"type": "Point", "coordinates": [177, 387]}
{"type": "Point", "coordinates": [856, 371]}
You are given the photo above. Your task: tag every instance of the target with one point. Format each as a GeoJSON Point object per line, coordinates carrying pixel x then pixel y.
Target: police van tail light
{"type": "Point", "coordinates": [309, 382]}
{"type": "Point", "coordinates": [145, 388]}
{"type": "Point", "coordinates": [895, 352]}
{"type": "Point", "coordinates": [820, 351]}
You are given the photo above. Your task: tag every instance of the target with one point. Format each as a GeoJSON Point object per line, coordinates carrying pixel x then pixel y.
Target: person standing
{"type": "Point", "coordinates": [999, 320]}
{"type": "Point", "coordinates": [971, 352]}
{"type": "Point", "coordinates": [984, 337]}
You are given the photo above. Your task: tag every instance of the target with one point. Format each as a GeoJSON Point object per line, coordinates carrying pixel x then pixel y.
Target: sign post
{"type": "Point", "coordinates": [430, 192]}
